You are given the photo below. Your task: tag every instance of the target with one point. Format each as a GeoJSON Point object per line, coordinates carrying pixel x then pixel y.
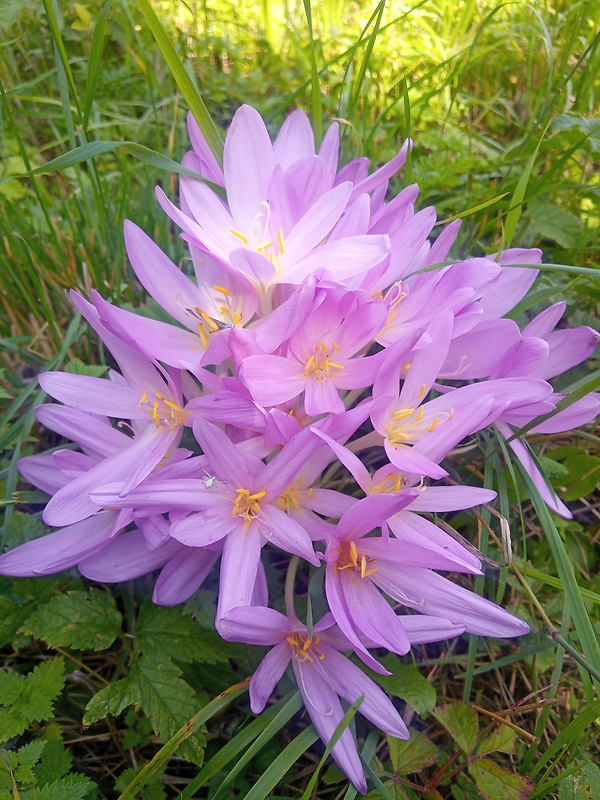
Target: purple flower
{"type": "Point", "coordinates": [322, 673]}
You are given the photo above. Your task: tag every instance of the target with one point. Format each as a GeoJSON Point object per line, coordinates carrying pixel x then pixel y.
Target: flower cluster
{"type": "Point", "coordinates": [323, 328]}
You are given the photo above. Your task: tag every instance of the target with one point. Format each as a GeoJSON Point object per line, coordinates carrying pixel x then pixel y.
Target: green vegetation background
{"type": "Point", "coordinates": [502, 103]}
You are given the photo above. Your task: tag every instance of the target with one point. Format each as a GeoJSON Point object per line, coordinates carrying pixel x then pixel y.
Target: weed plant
{"type": "Point", "coordinates": [501, 101]}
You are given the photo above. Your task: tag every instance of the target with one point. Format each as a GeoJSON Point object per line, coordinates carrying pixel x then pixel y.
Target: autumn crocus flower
{"type": "Point", "coordinates": [322, 673]}
{"type": "Point", "coordinates": [320, 357]}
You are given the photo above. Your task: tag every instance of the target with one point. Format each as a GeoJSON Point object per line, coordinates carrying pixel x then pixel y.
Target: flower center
{"type": "Point", "coordinates": [304, 648]}
{"type": "Point", "coordinates": [293, 495]}
{"type": "Point", "coordinates": [411, 424]}
{"type": "Point", "coordinates": [320, 363]}
{"type": "Point", "coordinates": [246, 505]}
{"type": "Point", "coordinates": [163, 411]}
{"type": "Point", "coordinates": [349, 557]}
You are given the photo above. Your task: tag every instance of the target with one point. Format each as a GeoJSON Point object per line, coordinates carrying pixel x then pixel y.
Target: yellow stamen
{"type": "Point", "coordinates": [239, 235]}
{"type": "Point", "coordinates": [222, 289]}
{"type": "Point", "coordinates": [433, 425]}
{"type": "Point", "coordinates": [280, 241]}
{"type": "Point", "coordinates": [422, 391]}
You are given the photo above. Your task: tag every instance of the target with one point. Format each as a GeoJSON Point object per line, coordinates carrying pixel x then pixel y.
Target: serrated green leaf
{"type": "Point", "coordinates": [412, 755]}
{"type": "Point", "coordinates": [84, 620]}
{"type": "Point", "coordinates": [34, 700]}
{"type": "Point", "coordinates": [110, 700]}
{"type": "Point", "coordinates": [21, 763]}
{"type": "Point", "coordinates": [23, 528]}
{"type": "Point", "coordinates": [168, 701]}
{"type": "Point", "coordinates": [167, 632]}
{"type": "Point", "coordinates": [495, 783]}
{"type": "Point", "coordinates": [77, 367]}
{"type": "Point", "coordinates": [56, 760]}
{"type": "Point", "coordinates": [555, 223]}
{"type": "Point", "coordinates": [461, 722]}
{"type": "Point", "coordinates": [73, 787]}
{"type": "Point", "coordinates": [11, 617]}
{"type": "Point", "coordinates": [407, 683]}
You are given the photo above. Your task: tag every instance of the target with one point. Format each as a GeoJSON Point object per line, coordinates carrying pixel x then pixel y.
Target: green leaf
{"type": "Point", "coordinates": [12, 616]}
{"type": "Point", "coordinates": [77, 367]}
{"type": "Point", "coordinates": [583, 785]}
{"type": "Point", "coordinates": [73, 787]}
{"type": "Point", "coordinates": [555, 223]}
{"type": "Point", "coordinates": [412, 755]}
{"type": "Point", "coordinates": [84, 620]}
{"type": "Point", "coordinates": [502, 739]}
{"type": "Point", "coordinates": [461, 722]}
{"type": "Point", "coordinates": [56, 760]}
{"type": "Point", "coordinates": [110, 700]}
{"type": "Point", "coordinates": [23, 528]}
{"type": "Point", "coordinates": [168, 701]}
{"type": "Point", "coordinates": [27, 699]}
{"type": "Point", "coordinates": [495, 783]}
{"type": "Point", "coordinates": [407, 683]}
{"type": "Point", "coordinates": [167, 632]}
{"type": "Point", "coordinates": [583, 475]}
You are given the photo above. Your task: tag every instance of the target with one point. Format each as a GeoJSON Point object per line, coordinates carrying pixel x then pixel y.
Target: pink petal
{"type": "Point", "coordinates": [267, 676]}
{"type": "Point", "coordinates": [60, 550]}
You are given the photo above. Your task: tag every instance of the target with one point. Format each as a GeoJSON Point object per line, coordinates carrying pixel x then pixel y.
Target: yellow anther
{"type": "Point", "coordinates": [309, 363]}
{"type": "Point", "coordinates": [239, 235]}
{"type": "Point", "coordinates": [221, 289]}
{"type": "Point", "coordinates": [433, 425]}
{"type": "Point", "coordinates": [322, 656]}
{"type": "Point", "coordinates": [236, 319]}
{"type": "Point", "coordinates": [263, 246]}
{"type": "Point", "coordinates": [174, 406]}
{"type": "Point", "coordinates": [211, 324]}
{"type": "Point", "coordinates": [280, 241]}
{"type": "Point", "coordinates": [403, 414]}
{"type": "Point", "coordinates": [398, 484]}
{"type": "Point", "coordinates": [363, 566]}
{"type": "Point", "coordinates": [292, 640]}
{"type": "Point", "coordinates": [306, 645]}
{"type": "Point", "coordinates": [354, 553]}
{"type": "Point", "coordinates": [143, 399]}
{"type": "Point", "coordinates": [419, 414]}
{"type": "Point", "coordinates": [202, 335]}
{"type": "Point", "coordinates": [335, 345]}
{"type": "Point", "coordinates": [422, 391]}
{"type": "Point", "coordinates": [224, 309]}
{"type": "Point", "coordinates": [256, 496]}
{"type": "Point", "coordinates": [335, 364]}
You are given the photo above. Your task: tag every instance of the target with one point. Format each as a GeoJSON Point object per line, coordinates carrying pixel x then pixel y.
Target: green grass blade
{"type": "Point", "coordinates": [283, 716]}
{"type": "Point", "coordinates": [581, 619]}
{"type": "Point", "coordinates": [514, 212]}
{"type": "Point", "coordinates": [550, 580]}
{"type": "Point", "coordinates": [474, 209]}
{"type": "Point", "coordinates": [283, 711]}
{"type": "Point", "coordinates": [93, 70]}
{"type": "Point", "coordinates": [94, 149]}
{"type": "Point", "coordinates": [316, 102]}
{"type": "Point", "coordinates": [60, 47]}
{"type": "Point", "coordinates": [284, 761]}
{"type": "Point", "coordinates": [362, 71]}
{"type": "Point", "coordinates": [575, 729]}
{"type": "Point", "coordinates": [156, 765]}
{"type": "Point", "coordinates": [184, 82]}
